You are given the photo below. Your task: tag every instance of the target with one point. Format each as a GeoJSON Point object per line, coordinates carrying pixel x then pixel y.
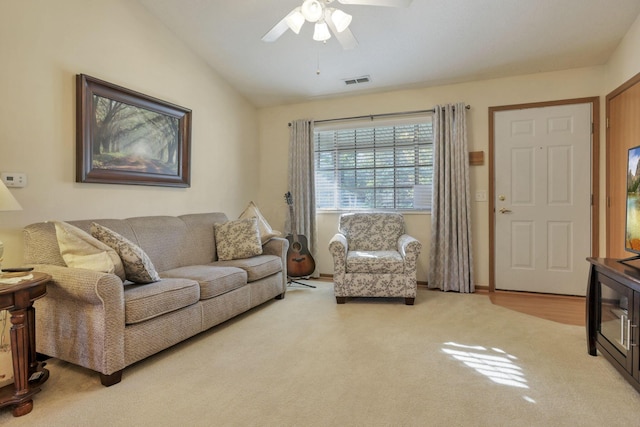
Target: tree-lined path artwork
{"type": "Point", "coordinates": [133, 138]}
{"type": "Point", "coordinates": [126, 137]}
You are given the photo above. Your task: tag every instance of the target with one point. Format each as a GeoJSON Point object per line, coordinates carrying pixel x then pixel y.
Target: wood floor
{"type": "Point", "coordinates": [562, 309]}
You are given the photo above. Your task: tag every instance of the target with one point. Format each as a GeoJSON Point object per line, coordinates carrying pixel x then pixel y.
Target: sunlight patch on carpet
{"type": "Point", "coordinates": [493, 363]}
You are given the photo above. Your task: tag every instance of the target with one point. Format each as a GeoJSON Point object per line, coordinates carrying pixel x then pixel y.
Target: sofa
{"type": "Point", "coordinates": [103, 321]}
{"type": "Point", "coordinates": [374, 257]}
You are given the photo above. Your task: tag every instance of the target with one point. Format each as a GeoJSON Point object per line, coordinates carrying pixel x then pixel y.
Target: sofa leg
{"type": "Point", "coordinates": [281, 296]}
{"type": "Point", "coordinates": [109, 380]}
{"type": "Point", "coordinates": [341, 300]}
{"type": "Point", "coordinates": [409, 301]}
{"type": "Point", "coordinates": [42, 357]}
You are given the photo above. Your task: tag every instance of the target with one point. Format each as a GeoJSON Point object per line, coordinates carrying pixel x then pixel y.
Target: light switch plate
{"type": "Point", "coordinates": [481, 196]}
{"type": "Point", "coordinates": [14, 179]}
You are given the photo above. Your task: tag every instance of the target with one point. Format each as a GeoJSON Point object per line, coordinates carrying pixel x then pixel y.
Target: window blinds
{"type": "Point", "coordinates": [373, 165]}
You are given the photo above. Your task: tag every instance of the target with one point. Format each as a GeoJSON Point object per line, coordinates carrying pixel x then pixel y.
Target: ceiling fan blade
{"type": "Point", "coordinates": [279, 29]}
{"type": "Point", "coordinates": [388, 3]}
{"type": "Point", "coordinates": [346, 37]}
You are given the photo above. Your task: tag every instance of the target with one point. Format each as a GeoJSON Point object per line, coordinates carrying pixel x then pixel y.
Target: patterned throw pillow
{"type": "Point", "coordinates": [238, 239]}
{"type": "Point", "coordinates": [266, 232]}
{"type": "Point", "coordinates": [79, 249]}
{"type": "Point", "coordinates": [138, 267]}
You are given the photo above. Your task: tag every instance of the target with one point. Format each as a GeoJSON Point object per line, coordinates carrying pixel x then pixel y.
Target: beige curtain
{"type": "Point", "coordinates": [302, 182]}
{"type": "Point", "coordinates": [450, 260]}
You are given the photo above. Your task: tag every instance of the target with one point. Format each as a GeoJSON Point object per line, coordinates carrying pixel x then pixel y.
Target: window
{"type": "Point", "coordinates": [374, 165]}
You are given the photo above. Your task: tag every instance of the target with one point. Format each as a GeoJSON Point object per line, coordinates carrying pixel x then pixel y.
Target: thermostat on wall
{"type": "Point", "coordinates": [14, 179]}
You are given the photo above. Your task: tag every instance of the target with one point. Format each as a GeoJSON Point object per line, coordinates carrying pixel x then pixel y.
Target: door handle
{"type": "Point", "coordinates": [504, 210]}
{"type": "Point", "coordinates": [623, 323]}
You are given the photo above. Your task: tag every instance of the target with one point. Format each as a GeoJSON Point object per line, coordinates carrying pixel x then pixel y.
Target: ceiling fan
{"type": "Point", "coordinates": [327, 20]}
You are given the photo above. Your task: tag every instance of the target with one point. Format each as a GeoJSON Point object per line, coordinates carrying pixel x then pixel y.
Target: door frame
{"type": "Point", "coordinates": [595, 172]}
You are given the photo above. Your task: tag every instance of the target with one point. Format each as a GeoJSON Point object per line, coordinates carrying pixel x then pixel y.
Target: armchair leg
{"type": "Point", "coordinates": [341, 300]}
{"type": "Point", "coordinates": [409, 301]}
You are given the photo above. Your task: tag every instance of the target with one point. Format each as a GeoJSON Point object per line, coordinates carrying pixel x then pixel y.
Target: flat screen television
{"type": "Point", "coordinates": [632, 221]}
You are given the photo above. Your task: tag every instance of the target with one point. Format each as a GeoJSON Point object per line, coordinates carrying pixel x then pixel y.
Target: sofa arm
{"type": "Point", "coordinates": [81, 319]}
{"type": "Point", "coordinates": [338, 247]}
{"type": "Point", "coordinates": [278, 246]}
{"type": "Point", "coordinates": [409, 248]}
{"type": "Point", "coordinates": [84, 286]}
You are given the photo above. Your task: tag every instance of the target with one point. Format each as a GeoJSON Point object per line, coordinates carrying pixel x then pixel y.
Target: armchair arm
{"type": "Point", "coordinates": [409, 248]}
{"type": "Point", "coordinates": [338, 247]}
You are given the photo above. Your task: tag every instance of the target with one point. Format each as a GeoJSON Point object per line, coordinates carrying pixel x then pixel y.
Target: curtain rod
{"type": "Point", "coordinates": [373, 116]}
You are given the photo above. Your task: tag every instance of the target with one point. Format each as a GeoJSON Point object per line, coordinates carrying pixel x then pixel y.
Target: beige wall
{"type": "Point", "coordinates": [43, 45]}
{"type": "Point", "coordinates": [625, 62]}
{"type": "Point", "coordinates": [480, 95]}
{"type": "Point", "coordinates": [576, 83]}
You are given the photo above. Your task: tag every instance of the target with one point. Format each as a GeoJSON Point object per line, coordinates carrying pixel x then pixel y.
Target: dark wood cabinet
{"type": "Point", "coordinates": [613, 315]}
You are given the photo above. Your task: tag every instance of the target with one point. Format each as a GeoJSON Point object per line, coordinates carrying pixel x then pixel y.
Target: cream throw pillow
{"type": "Point", "coordinates": [81, 250]}
{"type": "Point", "coordinates": [237, 239]}
{"type": "Point", "coordinates": [138, 267]}
{"type": "Point", "coordinates": [266, 232]}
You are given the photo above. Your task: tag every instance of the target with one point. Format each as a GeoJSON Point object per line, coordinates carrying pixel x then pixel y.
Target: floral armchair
{"type": "Point", "coordinates": [373, 257]}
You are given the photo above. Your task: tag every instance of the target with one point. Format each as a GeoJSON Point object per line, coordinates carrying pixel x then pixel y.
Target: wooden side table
{"type": "Point", "coordinates": [28, 373]}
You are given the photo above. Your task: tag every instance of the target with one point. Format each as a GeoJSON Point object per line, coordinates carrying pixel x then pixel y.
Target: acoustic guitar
{"type": "Point", "coordinates": [300, 263]}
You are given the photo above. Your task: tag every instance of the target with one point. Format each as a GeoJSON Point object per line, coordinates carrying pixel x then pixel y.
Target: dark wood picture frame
{"type": "Point", "coordinates": [125, 137]}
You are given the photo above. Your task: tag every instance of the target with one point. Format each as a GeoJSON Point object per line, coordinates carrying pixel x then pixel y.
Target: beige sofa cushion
{"type": "Point", "coordinates": [213, 281]}
{"type": "Point", "coordinates": [256, 267]}
{"type": "Point", "coordinates": [144, 302]}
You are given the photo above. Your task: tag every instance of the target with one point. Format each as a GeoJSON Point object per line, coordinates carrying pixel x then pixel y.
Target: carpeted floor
{"type": "Point", "coordinates": [450, 360]}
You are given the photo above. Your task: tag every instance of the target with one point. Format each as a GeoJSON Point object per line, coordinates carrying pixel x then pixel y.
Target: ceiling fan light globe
{"type": "Point", "coordinates": [295, 20]}
{"type": "Point", "coordinates": [312, 10]}
{"type": "Point", "coordinates": [341, 20]}
{"type": "Point", "coordinates": [321, 32]}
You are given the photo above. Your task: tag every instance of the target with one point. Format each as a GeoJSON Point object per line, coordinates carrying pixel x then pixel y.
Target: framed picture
{"type": "Point", "coordinates": [125, 137]}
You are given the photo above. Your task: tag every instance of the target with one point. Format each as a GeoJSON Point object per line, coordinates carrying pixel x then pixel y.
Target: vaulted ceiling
{"type": "Point", "coordinates": [428, 43]}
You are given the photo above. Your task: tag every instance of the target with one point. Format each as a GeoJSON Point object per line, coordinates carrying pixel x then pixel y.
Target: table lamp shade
{"type": "Point", "coordinates": [7, 201]}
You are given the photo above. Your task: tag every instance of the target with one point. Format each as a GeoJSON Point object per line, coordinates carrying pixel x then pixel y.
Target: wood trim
{"type": "Point", "coordinates": [492, 201]}
{"type": "Point", "coordinates": [595, 177]}
{"type": "Point", "coordinates": [595, 172]}
{"type": "Point", "coordinates": [623, 87]}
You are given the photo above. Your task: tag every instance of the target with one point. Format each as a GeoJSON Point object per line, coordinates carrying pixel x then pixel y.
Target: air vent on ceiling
{"type": "Point", "coordinates": [357, 80]}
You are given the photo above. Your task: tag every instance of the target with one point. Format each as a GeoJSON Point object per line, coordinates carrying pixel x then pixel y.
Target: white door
{"type": "Point", "coordinates": [543, 199]}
